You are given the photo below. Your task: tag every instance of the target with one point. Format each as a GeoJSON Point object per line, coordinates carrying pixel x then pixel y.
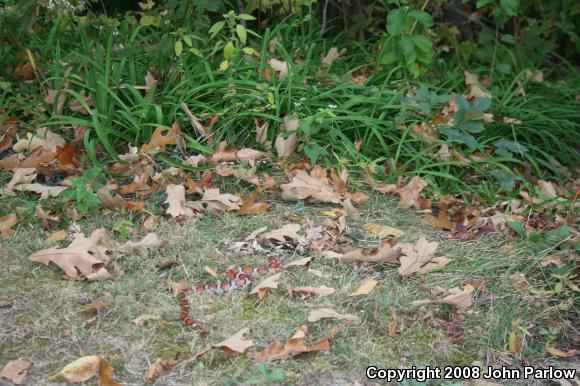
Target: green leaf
{"type": "Point", "coordinates": [313, 151]}
{"type": "Point", "coordinates": [178, 48]}
{"type": "Point", "coordinates": [228, 50]}
{"type": "Point", "coordinates": [414, 69]}
{"type": "Point", "coordinates": [422, 42]}
{"type": "Point", "coordinates": [510, 6]}
{"type": "Point", "coordinates": [407, 45]}
{"type": "Point", "coordinates": [249, 51]}
{"type": "Point", "coordinates": [480, 104]}
{"type": "Point", "coordinates": [456, 135]}
{"type": "Point", "coordinates": [517, 227]}
{"type": "Point", "coordinates": [147, 20]}
{"type": "Point", "coordinates": [187, 40]}
{"type": "Point", "coordinates": [216, 28]}
{"type": "Point", "coordinates": [482, 3]}
{"type": "Point", "coordinates": [196, 52]}
{"type": "Point", "coordinates": [389, 58]}
{"type": "Point", "coordinates": [242, 33]}
{"type": "Point", "coordinates": [422, 17]}
{"type": "Point", "coordinates": [396, 20]}
{"type": "Point", "coordinates": [245, 16]}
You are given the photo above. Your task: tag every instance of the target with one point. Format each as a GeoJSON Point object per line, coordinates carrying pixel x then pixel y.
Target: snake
{"type": "Point", "coordinates": [236, 278]}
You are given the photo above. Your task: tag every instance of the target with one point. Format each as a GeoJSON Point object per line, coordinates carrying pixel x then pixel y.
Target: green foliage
{"type": "Point", "coordinates": [82, 190]}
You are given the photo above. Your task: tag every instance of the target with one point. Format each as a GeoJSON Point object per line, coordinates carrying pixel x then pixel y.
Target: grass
{"type": "Point", "coordinates": [48, 310]}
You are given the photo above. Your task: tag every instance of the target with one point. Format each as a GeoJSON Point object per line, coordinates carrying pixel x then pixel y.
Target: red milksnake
{"type": "Point", "coordinates": [237, 278]}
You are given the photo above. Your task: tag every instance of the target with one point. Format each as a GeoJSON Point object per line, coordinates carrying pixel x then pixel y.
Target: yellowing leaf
{"type": "Point", "coordinates": [562, 354]}
{"type": "Point", "coordinates": [86, 368]}
{"type": "Point", "coordinates": [382, 230]}
{"type": "Point", "coordinates": [266, 285]}
{"type": "Point", "coordinates": [327, 313]}
{"type": "Point", "coordinates": [236, 344]}
{"type": "Point", "coordinates": [420, 258]}
{"type": "Point", "coordinates": [6, 224]}
{"type": "Point", "coordinates": [366, 287]}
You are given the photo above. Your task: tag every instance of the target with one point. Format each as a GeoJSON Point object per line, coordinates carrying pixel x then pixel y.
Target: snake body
{"type": "Point", "coordinates": [236, 278]}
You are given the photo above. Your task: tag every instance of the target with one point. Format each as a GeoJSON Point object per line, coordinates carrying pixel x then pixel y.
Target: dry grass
{"type": "Point", "coordinates": [47, 324]}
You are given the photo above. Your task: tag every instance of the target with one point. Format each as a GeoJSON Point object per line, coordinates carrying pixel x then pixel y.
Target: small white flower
{"type": "Point", "coordinates": [297, 104]}
{"type": "Point", "coordinates": [331, 106]}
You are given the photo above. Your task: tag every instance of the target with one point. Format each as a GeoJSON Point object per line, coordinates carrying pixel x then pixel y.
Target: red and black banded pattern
{"type": "Point", "coordinates": [239, 277]}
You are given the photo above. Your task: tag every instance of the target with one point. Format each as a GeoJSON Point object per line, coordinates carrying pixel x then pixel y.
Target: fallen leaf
{"type": "Point", "coordinates": [148, 243]}
{"type": "Point", "coordinates": [320, 291]}
{"type": "Point", "coordinates": [178, 287]}
{"type": "Point", "coordinates": [252, 236]}
{"type": "Point", "coordinates": [382, 230]}
{"type": "Point", "coordinates": [420, 258]}
{"type": "Point", "coordinates": [562, 354]}
{"type": "Point", "coordinates": [176, 201]}
{"type": "Point", "coordinates": [83, 258]}
{"type": "Point", "coordinates": [305, 186]}
{"type": "Point", "coordinates": [43, 138]}
{"type": "Point", "coordinates": [15, 371]}
{"type": "Point", "coordinates": [35, 159]}
{"type": "Point", "coordinates": [44, 190]}
{"type": "Point", "coordinates": [267, 284]}
{"type": "Point", "coordinates": [21, 176]}
{"type": "Point", "coordinates": [223, 154]}
{"type": "Point", "coordinates": [5, 303]}
{"type": "Point", "coordinates": [251, 155]}
{"type": "Point", "coordinates": [95, 305]}
{"type": "Point", "coordinates": [551, 260]}
{"type": "Point", "coordinates": [383, 254]}
{"type": "Point", "coordinates": [288, 231]}
{"type": "Point", "coordinates": [159, 141]}
{"type": "Point", "coordinates": [216, 202]}
{"type": "Point", "coordinates": [145, 320]}
{"type": "Point", "coordinates": [139, 185]}
{"type": "Point", "coordinates": [159, 367]}
{"type": "Point", "coordinates": [203, 131]}
{"type": "Point", "coordinates": [331, 56]}
{"type": "Point", "coordinates": [475, 88]}
{"type": "Point", "coordinates": [6, 224]}
{"type": "Point", "coordinates": [280, 67]}
{"type": "Point", "coordinates": [294, 346]}
{"type": "Point", "coordinates": [286, 145]}
{"type": "Point", "coordinates": [547, 189]}
{"type": "Point", "coordinates": [235, 344]}
{"type": "Point", "coordinates": [299, 262]}
{"type": "Point", "coordinates": [57, 236]}
{"type": "Point", "coordinates": [359, 197]}
{"type": "Point", "coordinates": [327, 313]}
{"type": "Point", "coordinates": [459, 298]}
{"type": "Point", "coordinates": [109, 201]}
{"type": "Point", "coordinates": [250, 207]}
{"type": "Point", "coordinates": [366, 287]}
{"type": "Point", "coordinates": [335, 213]}
{"type": "Point", "coordinates": [87, 367]}
{"type": "Point", "coordinates": [410, 193]}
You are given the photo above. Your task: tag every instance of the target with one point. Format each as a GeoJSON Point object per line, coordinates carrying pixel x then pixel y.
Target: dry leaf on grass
{"type": "Point", "coordinates": [6, 224]}
{"type": "Point", "coordinates": [95, 305]}
{"type": "Point", "coordinates": [176, 201]}
{"type": "Point", "coordinates": [148, 243]}
{"type": "Point", "coordinates": [280, 67]}
{"type": "Point", "coordinates": [459, 298]}
{"type": "Point", "coordinates": [562, 354]}
{"type": "Point", "coordinates": [335, 213]}
{"type": "Point", "coordinates": [294, 346]}
{"type": "Point", "coordinates": [86, 368]}
{"type": "Point", "coordinates": [299, 262]}
{"type": "Point", "coordinates": [327, 313]}
{"type": "Point", "coordinates": [110, 201]}
{"type": "Point", "coordinates": [35, 159]}
{"type": "Point", "coordinates": [382, 230]}
{"type": "Point", "coordinates": [410, 194]}
{"type": "Point", "coordinates": [235, 344]}
{"type": "Point", "coordinates": [288, 231]}
{"type": "Point", "coordinates": [331, 56]}
{"type": "Point", "coordinates": [159, 141]}
{"type": "Point", "coordinates": [309, 186]}
{"type": "Point", "coordinates": [249, 206]}
{"type": "Point", "coordinates": [320, 291]}
{"type": "Point", "coordinates": [177, 287]}
{"type": "Point", "coordinates": [160, 367]}
{"type": "Point", "coordinates": [476, 89]}
{"type": "Point", "coordinates": [84, 258]}
{"type": "Point", "coordinates": [547, 189]}
{"type": "Point", "coordinates": [44, 190]}
{"type": "Point", "coordinates": [286, 144]}
{"type": "Point", "coordinates": [145, 320]}
{"type": "Point", "coordinates": [217, 202]}
{"type": "Point", "coordinates": [251, 155]}
{"type": "Point", "coordinates": [43, 138]}
{"type": "Point", "coordinates": [21, 176]}
{"type": "Point", "coordinates": [267, 284]}
{"type": "Point", "coordinates": [383, 254]}
{"type": "Point", "coordinates": [420, 258]}
{"type": "Point", "coordinates": [366, 287]}
{"type": "Point", "coordinates": [57, 236]}
{"type": "Point", "coordinates": [15, 371]}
